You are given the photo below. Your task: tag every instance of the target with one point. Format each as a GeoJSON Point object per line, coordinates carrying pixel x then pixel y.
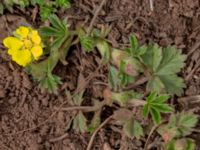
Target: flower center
{"type": "Point", "coordinates": [27, 43]}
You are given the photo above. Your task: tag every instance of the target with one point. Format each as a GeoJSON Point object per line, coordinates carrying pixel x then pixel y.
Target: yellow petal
{"type": "Point", "coordinates": [22, 57]}
{"type": "Point", "coordinates": [35, 37]}
{"type": "Point", "coordinates": [22, 31]}
{"type": "Point", "coordinates": [12, 51]}
{"type": "Point", "coordinates": [36, 52]}
{"type": "Point", "coordinates": [12, 43]}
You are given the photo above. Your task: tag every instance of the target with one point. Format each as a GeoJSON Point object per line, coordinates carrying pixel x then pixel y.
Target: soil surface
{"type": "Point", "coordinates": [27, 115]}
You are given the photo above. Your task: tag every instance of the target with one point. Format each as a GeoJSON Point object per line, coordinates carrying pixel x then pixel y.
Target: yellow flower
{"type": "Point", "coordinates": [25, 46]}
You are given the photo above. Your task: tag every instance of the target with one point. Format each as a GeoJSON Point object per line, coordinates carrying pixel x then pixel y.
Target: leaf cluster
{"type": "Point", "coordinates": [47, 8]}
{"type": "Point", "coordinates": [159, 65]}
{"type": "Point", "coordinates": [163, 65]}
{"type": "Point", "coordinates": [179, 126]}
{"type": "Point", "coordinates": [181, 144]}
{"type": "Point", "coordinates": [155, 105]}
{"type": "Point", "coordinates": [79, 121]}
{"type": "Point", "coordinates": [95, 39]}
{"type": "Point", "coordinates": [131, 127]}
{"type": "Point", "coordinates": [118, 79]}
{"type": "Point", "coordinates": [57, 40]}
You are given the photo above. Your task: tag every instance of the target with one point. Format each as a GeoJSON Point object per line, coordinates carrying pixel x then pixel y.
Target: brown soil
{"type": "Point", "coordinates": [27, 119]}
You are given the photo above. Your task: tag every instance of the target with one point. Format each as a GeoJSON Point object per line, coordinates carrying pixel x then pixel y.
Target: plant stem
{"type": "Point", "coordinates": [140, 81]}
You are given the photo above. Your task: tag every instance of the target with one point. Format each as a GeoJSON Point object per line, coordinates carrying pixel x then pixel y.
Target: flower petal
{"type": "Point", "coordinates": [12, 51]}
{"type": "Point", "coordinates": [36, 52]}
{"type": "Point", "coordinates": [12, 43]}
{"type": "Point", "coordinates": [22, 57]}
{"type": "Point", "coordinates": [22, 31]}
{"type": "Point", "coordinates": [35, 37]}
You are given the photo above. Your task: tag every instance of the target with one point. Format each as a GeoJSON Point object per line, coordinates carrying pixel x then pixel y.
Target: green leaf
{"type": "Point", "coordinates": [63, 3]}
{"type": "Point", "coordinates": [42, 72]}
{"type": "Point", "coordinates": [170, 145]}
{"type": "Point", "coordinates": [164, 108]}
{"type": "Point", "coordinates": [190, 144]}
{"type": "Point", "coordinates": [78, 98]}
{"type": "Point", "coordinates": [173, 84]}
{"type": "Point", "coordinates": [9, 5]}
{"type": "Point", "coordinates": [146, 110]}
{"type": "Point", "coordinates": [40, 2]}
{"type": "Point", "coordinates": [172, 61]}
{"type": "Point", "coordinates": [118, 79]}
{"type": "Point", "coordinates": [122, 98]}
{"type": "Point", "coordinates": [113, 78]}
{"type": "Point", "coordinates": [96, 120]}
{"type": "Point", "coordinates": [134, 45]}
{"type": "Point", "coordinates": [179, 125]}
{"type": "Point", "coordinates": [128, 128]}
{"type": "Point", "coordinates": [155, 85]}
{"type": "Point", "coordinates": [58, 37]}
{"type": "Point", "coordinates": [1, 9]}
{"type": "Point", "coordinates": [188, 119]}
{"type": "Point", "coordinates": [164, 64]}
{"type": "Point", "coordinates": [45, 12]}
{"type": "Point", "coordinates": [184, 144]}
{"type": "Point", "coordinates": [152, 57]}
{"type": "Point", "coordinates": [57, 23]}
{"type": "Point", "coordinates": [49, 31]}
{"type": "Point", "coordinates": [138, 130]}
{"type": "Point", "coordinates": [57, 43]}
{"type": "Point", "coordinates": [79, 123]}
{"type": "Point", "coordinates": [87, 43]}
{"type": "Point", "coordinates": [23, 3]}
{"type": "Point", "coordinates": [168, 134]}
{"type": "Point", "coordinates": [64, 49]}
{"type": "Point", "coordinates": [104, 49]}
{"type": "Point", "coordinates": [50, 83]}
{"type": "Point", "coordinates": [141, 50]}
{"type": "Point", "coordinates": [132, 128]}
{"type": "Point", "coordinates": [151, 97]}
{"type": "Point", "coordinates": [125, 79]}
{"type": "Point", "coordinates": [162, 98]}
{"type": "Point", "coordinates": [156, 105]}
{"type": "Point", "coordinates": [155, 115]}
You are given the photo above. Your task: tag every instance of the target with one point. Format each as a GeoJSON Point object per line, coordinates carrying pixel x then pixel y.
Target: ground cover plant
{"type": "Point", "coordinates": [137, 98]}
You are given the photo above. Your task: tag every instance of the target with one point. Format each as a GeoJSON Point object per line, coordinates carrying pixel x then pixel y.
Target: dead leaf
{"type": "Point", "coordinates": [122, 115]}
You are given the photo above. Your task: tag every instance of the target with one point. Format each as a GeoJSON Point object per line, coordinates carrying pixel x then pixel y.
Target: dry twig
{"type": "Point", "coordinates": [95, 16]}
{"type": "Point", "coordinates": [96, 131]}
{"type": "Point", "coordinates": [150, 134]}
{"type": "Point", "coordinates": [189, 76]}
{"type": "Point", "coordinates": [151, 5]}
{"type": "Point", "coordinates": [59, 138]}
{"type": "Point", "coordinates": [193, 49]}
{"type": "Point", "coordinates": [83, 108]}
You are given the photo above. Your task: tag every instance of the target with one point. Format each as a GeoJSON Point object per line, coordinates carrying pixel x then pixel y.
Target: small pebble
{"type": "Point", "coordinates": [12, 101]}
